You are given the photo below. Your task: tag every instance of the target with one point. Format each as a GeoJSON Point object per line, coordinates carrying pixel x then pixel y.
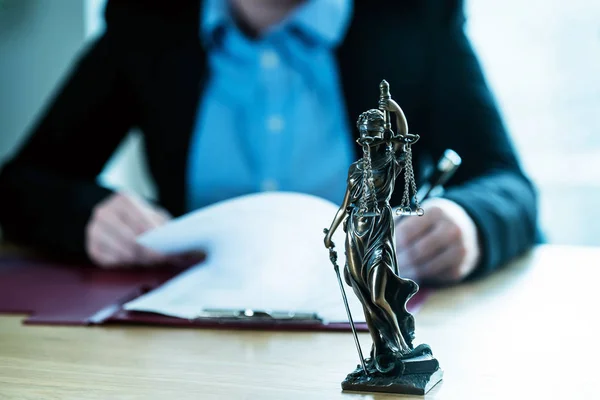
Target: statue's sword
{"type": "Point", "coordinates": [333, 258]}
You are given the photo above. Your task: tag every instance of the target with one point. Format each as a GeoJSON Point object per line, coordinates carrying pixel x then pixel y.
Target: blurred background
{"type": "Point", "coordinates": [541, 57]}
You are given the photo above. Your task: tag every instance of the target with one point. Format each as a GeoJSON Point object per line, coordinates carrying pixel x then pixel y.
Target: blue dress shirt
{"type": "Point", "coordinates": [272, 115]}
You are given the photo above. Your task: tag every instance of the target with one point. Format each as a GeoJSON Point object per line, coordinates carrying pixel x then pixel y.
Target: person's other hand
{"type": "Point", "coordinates": [110, 235]}
{"type": "Point", "coordinates": [440, 247]}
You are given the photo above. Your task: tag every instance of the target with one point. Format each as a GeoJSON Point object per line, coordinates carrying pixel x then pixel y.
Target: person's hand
{"type": "Point", "coordinates": [327, 240]}
{"type": "Point", "coordinates": [440, 247]}
{"type": "Point", "coordinates": [110, 235]}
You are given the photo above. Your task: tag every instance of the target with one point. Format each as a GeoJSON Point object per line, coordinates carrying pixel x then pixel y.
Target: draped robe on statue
{"type": "Point", "coordinates": [371, 260]}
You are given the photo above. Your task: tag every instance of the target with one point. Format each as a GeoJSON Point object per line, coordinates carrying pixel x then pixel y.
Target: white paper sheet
{"type": "Point", "coordinates": [265, 253]}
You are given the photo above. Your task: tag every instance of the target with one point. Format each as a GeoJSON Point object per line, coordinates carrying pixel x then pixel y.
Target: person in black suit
{"type": "Point", "coordinates": [150, 70]}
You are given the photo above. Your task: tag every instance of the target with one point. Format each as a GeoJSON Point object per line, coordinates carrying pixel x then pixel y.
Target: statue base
{"type": "Point", "coordinates": [415, 374]}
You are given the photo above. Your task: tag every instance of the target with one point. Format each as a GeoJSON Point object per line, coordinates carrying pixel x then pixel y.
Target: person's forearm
{"type": "Point", "coordinates": [48, 188]}
{"type": "Point", "coordinates": [46, 211]}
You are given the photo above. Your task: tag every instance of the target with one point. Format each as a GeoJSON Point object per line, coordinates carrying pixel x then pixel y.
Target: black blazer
{"type": "Point", "coordinates": [148, 71]}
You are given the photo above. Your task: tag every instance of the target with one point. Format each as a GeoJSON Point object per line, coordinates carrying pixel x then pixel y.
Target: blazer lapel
{"type": "Point", "coordinates": [177, 80]}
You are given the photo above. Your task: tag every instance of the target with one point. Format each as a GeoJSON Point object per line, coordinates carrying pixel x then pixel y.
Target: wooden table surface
{"type": "Point", "coordinates": [528, 332]}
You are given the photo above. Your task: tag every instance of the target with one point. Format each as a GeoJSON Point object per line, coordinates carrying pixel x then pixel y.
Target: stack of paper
{"type": "Point", "coordinates": [265, 253]}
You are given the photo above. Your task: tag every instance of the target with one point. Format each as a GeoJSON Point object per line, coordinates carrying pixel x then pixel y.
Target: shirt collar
{"type": "Point", "coordinates": [215, 16]}
{"type": "Point", "coordinates": [323, 21]}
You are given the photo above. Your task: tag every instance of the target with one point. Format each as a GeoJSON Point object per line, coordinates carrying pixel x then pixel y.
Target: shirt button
{"type": "Point", "coordinates": [269, 59]}
{"type": "Point", "coordinates": [275, 123]}
{"type": "Point", "coordinates": [269, 185]}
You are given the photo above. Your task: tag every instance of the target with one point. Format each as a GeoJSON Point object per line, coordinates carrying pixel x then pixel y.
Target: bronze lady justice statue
{"type": "Point", "coordinates": [371, 266]}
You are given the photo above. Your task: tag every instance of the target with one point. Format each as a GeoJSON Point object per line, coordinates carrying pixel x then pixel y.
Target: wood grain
{"type": "Point", "coordinates": [530, 331]}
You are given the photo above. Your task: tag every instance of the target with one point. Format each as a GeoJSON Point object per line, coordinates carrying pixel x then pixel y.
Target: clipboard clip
{"type": "Point", "coordinates": [249, 314]}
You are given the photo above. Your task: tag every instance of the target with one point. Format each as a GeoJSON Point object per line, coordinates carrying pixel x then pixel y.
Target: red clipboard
{"type": "Point", "coordinates": [61, 293]}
